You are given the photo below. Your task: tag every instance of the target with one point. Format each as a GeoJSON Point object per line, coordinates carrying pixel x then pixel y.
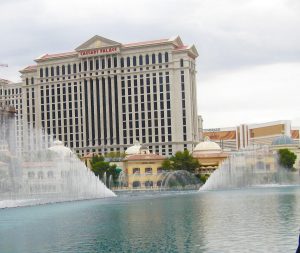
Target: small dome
{"type": "Point", "coordinates": [283, 140]}
{"type": "Point", "coordinates": [59, 148]}
{"type": "Point", "coordinates": [133, 150]}
{"type": "Point", "coordinates": [207, 146]}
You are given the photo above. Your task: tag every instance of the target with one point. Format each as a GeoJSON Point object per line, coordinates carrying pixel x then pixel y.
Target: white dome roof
{"type": "Point", "coordinates": [133, 150]}
{"type": "Point", "coordinates": [58, 147]}
{"type": "Point", "coordinates": [207, 147]}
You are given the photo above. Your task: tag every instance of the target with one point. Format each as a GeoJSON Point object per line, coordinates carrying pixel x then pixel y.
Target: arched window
{"type": "Point", "coordinates": [52, 71]}
{"type": "Point", "coordinates": [30, 174]}
{"type": "Point", "coordinates": [148, 184]}
{"type": "Point", "coordinates": [69, 69]}
{"type": "Point", "coordinates": [91, 65]}
{"type": "Point", "coordinates": [141, 60]}
{"type": "Point", "coordinates": [85, 66]}
{"type": "Point", "coordinates": [74, 68]}
{"type": "Point", "coordinates": [46, 72]}
{"type": "Point", "coordinates": [27, 81]}
{"type": "Point", "coordinates": [63, 70]}
{"type": "Point", "coordinates": [41, 72]}
{"type": "Point", "coordinates": [32, 80]}
{"type": "Point", "coordinates": [115, 62]}
{"type": "Point", "coordinates": [97, 63]}
{"type": "Point", "coordinates": [153, 59]}
{"type": "Point", "coordinates": [159, 58]}
{"type": "Point", "coordinates": [147, 59]}
{"type": "Point", "coordinates": [109, 62]}
{"type": "Point", "coordinates": [134, 61]}
{"type": "Point", "coordinates": [50, 174]}
{"type": "Point", "coordinates": [181, 62]}
{"type": "Point", "coordinates": [57, 70]}
{"type": "Point", "coordinates": [40, 175]}
{"type": "Point", "coordinates": [166, 57]}
{"type": "Point", "coordinates": [128, 61]}
{"type": "Point", "coordinates": [136, 184]}
{"type": "Point", "coordinates": [122, 62]}
{"type": "Point", "coordinates": [103, 63]}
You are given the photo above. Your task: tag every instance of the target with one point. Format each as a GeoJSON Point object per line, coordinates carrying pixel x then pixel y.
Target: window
{"type": "Point", "coordinates": [148, 170]}
{"type": "Point", "coordinates": [141, 60]}
{"type": "Point", "coordinates": [41, 72]}
{"type": "Point", "coordinates": [147, 59]}
{"type": "Point", "coordinates": [136, 171]}
{"type": "Point", "coordinates": [128, 61]}
{"type": "Point", "coordinates": [69, 69]}
{"type": "Point", "coordinates": [74, 68]}
{"type": "Point", "coordinates": [63, 70]}
{"type": "Point", "coordinates": [134, 60]}
{"type": "Point", "coordinates": [57, 70]}
{"type": "Point", "coordinates": [181, 62]}
{"type": "Point", "coordinates": [122, 62]}
{"type": "Point", "coordinates": [166, 57]}
{"type": "Point", "coordinates": [153, 59]}
{"type": "Point", "coordinates": [159, 58]}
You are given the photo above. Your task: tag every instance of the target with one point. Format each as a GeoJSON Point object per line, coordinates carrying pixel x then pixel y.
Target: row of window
{"type": "Point", "coordinates": [103, 63]}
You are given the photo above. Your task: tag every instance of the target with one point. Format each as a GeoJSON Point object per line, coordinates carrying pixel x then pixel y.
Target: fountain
{"type": "Point", "coordinates": [43, 175]}
{"type": "Point", "coordinates": [179, 180]}
{"type": "Point", "coordinates": [254, 166]}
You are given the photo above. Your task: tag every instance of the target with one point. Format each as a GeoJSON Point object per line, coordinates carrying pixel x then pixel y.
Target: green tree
{"type": "Point", "coordinates": [181, 161]}
{"type": "Point", "coordinates": [286, 158]}
{"type": "Point", "coordinates": [100, 166]}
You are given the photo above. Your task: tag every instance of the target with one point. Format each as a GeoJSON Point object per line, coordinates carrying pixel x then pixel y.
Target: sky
{"type": "Point", "coordinates": [248, 69]}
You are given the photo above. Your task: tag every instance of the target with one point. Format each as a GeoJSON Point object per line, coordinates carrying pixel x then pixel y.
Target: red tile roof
{"type": "Point", "coordinates": [57, 55]}
{"type": "Point", "coordinates": [144, 157]}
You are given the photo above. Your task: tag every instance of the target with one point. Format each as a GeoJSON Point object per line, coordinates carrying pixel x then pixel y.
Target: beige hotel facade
{"type": "Point", "coordinates": [104, 96]}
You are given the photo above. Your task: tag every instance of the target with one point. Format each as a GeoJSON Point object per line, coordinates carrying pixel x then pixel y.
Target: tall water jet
{"type": "Point", "coordinates": [254, 166]}
{"type": "Point", "coordinates": [43, 175]}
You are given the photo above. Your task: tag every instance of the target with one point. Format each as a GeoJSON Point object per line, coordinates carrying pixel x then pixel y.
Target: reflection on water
{"type": "Point", "coordinates": [252, 220]}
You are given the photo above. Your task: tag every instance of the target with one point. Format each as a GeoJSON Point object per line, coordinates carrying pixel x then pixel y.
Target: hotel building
{"type": "Point", "coordinates": [104, 96]}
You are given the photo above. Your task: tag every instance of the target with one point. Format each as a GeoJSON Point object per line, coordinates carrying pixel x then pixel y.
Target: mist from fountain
{"type": "Point", "coordinates": [40, 174]}
{"type": "Point", "coordinates": [179, 180]}
{"type": "Point", "coordinates": [251, 167]}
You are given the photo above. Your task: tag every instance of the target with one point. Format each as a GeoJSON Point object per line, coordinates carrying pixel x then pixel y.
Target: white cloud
{"type": "Point", "coordinates": [251, 95]}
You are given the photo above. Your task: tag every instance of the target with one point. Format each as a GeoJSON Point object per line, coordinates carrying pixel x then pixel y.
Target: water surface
{"type": "Point", "coordinates": [250, 220]}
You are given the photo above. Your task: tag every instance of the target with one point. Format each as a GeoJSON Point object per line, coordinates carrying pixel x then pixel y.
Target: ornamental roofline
{"type": "Point", "coordinates": [30, 68]}
{"type": "Point", "coordinates": [101, 42]}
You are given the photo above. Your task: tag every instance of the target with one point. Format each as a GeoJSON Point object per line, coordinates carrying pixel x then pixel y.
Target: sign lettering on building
{"type": "Point", "coordinates": [99, 51]}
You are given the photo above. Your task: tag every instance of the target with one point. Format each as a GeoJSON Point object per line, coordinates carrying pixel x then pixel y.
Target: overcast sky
{"type": "Point", "coordinates": [249, 50]}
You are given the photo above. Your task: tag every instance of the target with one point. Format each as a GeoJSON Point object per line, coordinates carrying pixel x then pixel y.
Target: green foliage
{"type": "Point", "coordinates": [117, 154]}
{"type": "Point", "coordinates": [181, 161]}
{"type": "Point", "coordinates": [286, 158]}
{"type": "Point", "coordinates": [203, 178]}
{"type": "Point", "coordinates": [99, 167]}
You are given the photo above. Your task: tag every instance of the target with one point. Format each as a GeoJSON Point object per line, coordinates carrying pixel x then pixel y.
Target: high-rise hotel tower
{"type": "Point", "coordinates": [104, 96]}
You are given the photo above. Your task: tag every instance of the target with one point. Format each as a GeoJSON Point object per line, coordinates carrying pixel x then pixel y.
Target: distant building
{"type": "Point", "coordinates": [235, 138]}
{"type": "Point", "coordinates": [142, 168]}
{"type": "Point", "coordinates": [286, 142]}
{"type": "Point", "coordinates": [210, 155]}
